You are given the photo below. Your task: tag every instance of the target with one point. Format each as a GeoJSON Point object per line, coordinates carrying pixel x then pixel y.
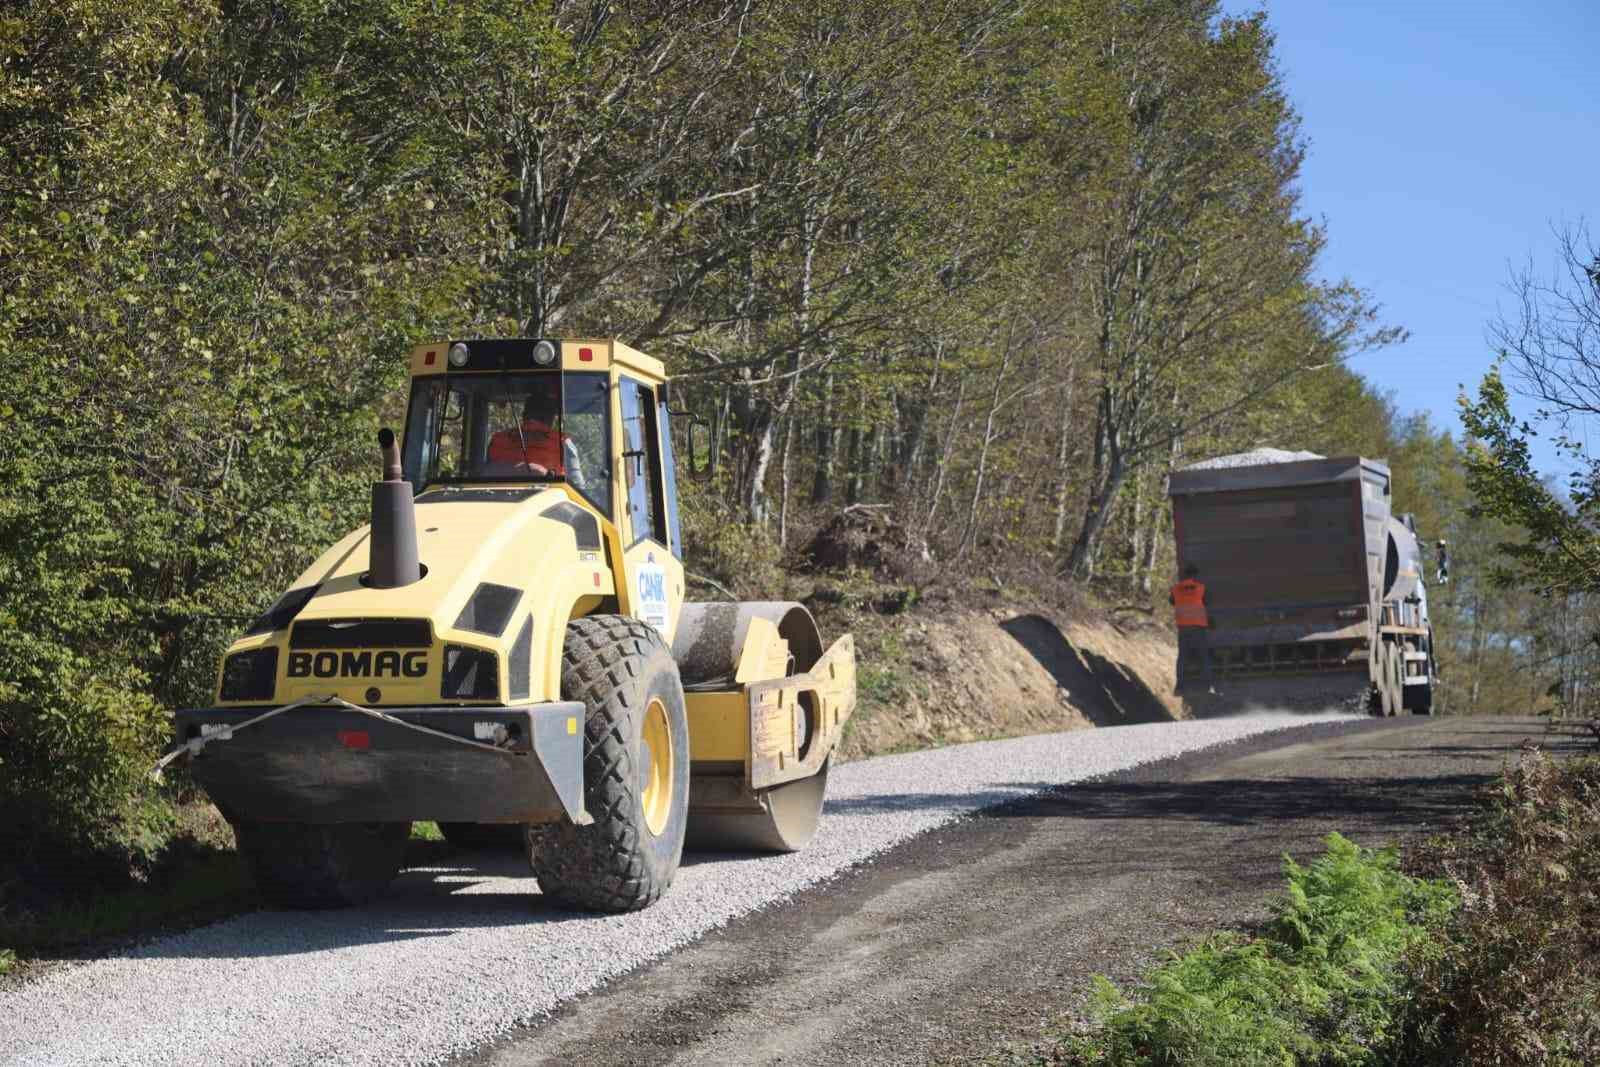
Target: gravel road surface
{"type": "Point", "coordinates": [981, 933]}
{"type": "Point", "coordinates": [460, 955]}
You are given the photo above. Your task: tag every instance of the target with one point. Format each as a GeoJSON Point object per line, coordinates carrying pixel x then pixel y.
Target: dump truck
{"type": "Point", "coordinates": [1314, 588]}
{"type": "Point", "coordinates": [507, 648]}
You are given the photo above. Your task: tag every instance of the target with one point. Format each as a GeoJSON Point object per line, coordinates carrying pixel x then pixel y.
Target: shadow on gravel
{"type": "Point", "coordinates": [1104, 691]}
{"type": "Point", "coordinates": [995, 793]}
{"type": "Point", "coordinates": [1402, 802]}
{"type": "Point", "coordinates": [414, 909]}
{"type": "Point", "coordinates": [1397, 802]}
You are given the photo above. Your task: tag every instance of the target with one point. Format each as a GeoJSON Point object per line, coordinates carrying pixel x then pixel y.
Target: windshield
{"type": "Point", "coordinates": [537, 426]}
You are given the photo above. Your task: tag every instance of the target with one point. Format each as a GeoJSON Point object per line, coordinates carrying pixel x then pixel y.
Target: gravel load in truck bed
{"type": "Point", "coordinates": [457, 955]}
{"type": "Point", "coordinates": [1258, 457]}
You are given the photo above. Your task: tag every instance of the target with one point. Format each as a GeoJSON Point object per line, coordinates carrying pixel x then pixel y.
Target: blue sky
{"type": "Point", "coordinates": [1445, 139]}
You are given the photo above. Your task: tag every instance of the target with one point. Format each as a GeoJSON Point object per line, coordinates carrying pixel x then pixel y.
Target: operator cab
{"type": "Point", "coordinates": [512, 426]}
{"type": "Point", "coordinates": [492, 414]}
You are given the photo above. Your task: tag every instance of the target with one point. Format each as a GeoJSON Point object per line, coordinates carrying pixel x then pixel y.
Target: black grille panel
{"type": "Point", "coordinates": [250, 675]}
{"type": "Point", "coordinates": [470, 674]}
{"type": "Point", "coordinates": [584, 526]}
{"type": "Point", "coordinates": [362, 633]}
{"type": "Point", "coordinates": [521, 660]}
{"type": "Point", "coordinates": [489, 609]}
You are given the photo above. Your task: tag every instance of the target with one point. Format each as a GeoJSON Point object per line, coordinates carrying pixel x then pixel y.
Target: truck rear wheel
{"type": "Point", "coordinates": [322, 865]}
{"type": "Point", "coordinates": [1397, 676]}
{"type": "Point", "coordinates": [1386, 693]}
{"type": "Point", "coordinates": [635, 771]}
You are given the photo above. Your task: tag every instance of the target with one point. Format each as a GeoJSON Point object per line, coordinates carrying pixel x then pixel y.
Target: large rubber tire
{"type": "Point", "coordinates": [483, 836]}
{"type": "Point", "coordinates": [622, 672]}
{"type": "Point", "coordinates": [1386, 696]}
{"type": "Point", "coordinates": [1397, 676]}
{"type": "Point", "coordinates": [334, 865]}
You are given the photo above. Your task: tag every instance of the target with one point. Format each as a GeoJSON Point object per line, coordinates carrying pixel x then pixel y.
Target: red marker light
{"type": "Point", "coordinates": [427, 360]}
{"type": "Point", "coordinates": [597, 579]}
{"type": "Point", "coordinates": [358, 739]}
{"type": "Point", "coordinates": [586, 355]}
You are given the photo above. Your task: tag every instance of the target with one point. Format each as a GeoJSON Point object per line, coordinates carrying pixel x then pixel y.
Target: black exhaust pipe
{"type": "Point", "coordinates": [393, 542]}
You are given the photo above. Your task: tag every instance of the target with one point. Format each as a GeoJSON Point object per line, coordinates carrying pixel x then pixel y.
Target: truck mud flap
{"type": "Point", "coordinates": [1345, 691]}
{"type": "Point", "coordinates": [335, 762]}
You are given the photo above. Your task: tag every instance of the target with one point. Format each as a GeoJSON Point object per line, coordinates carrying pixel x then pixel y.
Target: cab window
{"type": "Point", "coordinates": [669, 480]}
{"type": "Point", "coordinates": [538, 426]}
{"type": "Point", "coordinates": [641, 462]}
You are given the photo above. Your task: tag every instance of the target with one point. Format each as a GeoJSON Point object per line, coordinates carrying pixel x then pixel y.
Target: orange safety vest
{"type": "Point", "coordinates": [1189, 603]}
{"type": "Point", "coordinates": [542, 446]}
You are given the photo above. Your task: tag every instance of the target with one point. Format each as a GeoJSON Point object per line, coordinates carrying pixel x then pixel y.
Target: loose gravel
{"type": "Point", "coordinates": [456, 956]}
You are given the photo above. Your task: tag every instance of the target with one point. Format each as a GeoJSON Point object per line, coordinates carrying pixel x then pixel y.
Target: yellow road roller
{"type": "Point", "coordinates": [506, 650]}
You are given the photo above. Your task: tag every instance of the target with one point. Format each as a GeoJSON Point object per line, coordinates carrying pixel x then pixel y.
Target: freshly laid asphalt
{"type": "Point", "coordinates": [986, 932]}
{"type": "Point", "coordinates": [952, 933]}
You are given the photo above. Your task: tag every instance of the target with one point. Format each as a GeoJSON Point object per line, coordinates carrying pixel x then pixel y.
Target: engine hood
{"type": "Point", "coordinates": [462, 540]}
{"type": "Point", "coordinates": [498, 563]}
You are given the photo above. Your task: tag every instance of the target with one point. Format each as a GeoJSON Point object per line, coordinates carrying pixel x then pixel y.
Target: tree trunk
{"type": "Point", "coordinates": [1136, 531]}
{"type": "Point", "coordinates": [1152, 548]}
{"type": "Point", "coordinates": [983, 455]}
{"type": "Point", "coordinates": [825, 436]}
{"type": "Point", "coordinates": [783, 499]}
{"type": "Point", "coordinates": [911, 443]}
{"type": "Point", "coordinates": [1475, 655]}
{"type": "Point", "coordinates": [853, 462]}
{"type": "Point", "coordinates": [1098, 510]}
{"type": "Point", "coordinates": [944, 454]}
{"type": "Point", "coordinates": [1063, 449]}
{"type": "Point", "coordinates": [759, 462]}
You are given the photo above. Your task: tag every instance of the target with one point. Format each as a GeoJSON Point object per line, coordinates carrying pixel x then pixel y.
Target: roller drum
{"type": "Point", "coordinates": [786, 822]}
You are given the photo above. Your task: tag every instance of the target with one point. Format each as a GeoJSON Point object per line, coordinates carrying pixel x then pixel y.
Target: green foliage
{"type": "Point", "coordinates": [862, 234]}
{"type": "Point", "coordinates": [207, 887]}
{"type": "Point", "coordinates": [740, 558]}
{"type": "Point", "coordinates": [1318, 987]}
{"type": "Point", "coordinates": [1561, 550]}
{"type": "Point", "coordinates": [207, 280]}
{"type": "Point", "coordinates": [1514, 977]}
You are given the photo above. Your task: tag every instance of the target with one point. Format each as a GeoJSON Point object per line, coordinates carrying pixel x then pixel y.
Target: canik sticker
{"type": "Point", "coordinates": [651, 587]}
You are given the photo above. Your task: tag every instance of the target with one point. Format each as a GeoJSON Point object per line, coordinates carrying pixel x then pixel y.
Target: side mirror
{"type": "Point", "coordinates": [1443, 554]}
{"type": "Point", "coordinates": [690, 421]}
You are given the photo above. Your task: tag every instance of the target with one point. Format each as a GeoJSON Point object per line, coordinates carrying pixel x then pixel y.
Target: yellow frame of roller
{"type": "Point", "coordinates": [763, 722]}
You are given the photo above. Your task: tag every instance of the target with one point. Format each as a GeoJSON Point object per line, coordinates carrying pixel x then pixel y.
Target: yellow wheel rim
{"type": "Point", "coordinates": [656, 767]}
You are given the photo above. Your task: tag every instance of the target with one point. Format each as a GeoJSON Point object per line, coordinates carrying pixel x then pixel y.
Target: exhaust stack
{"type": "Point", "coordinates": [393, 542]}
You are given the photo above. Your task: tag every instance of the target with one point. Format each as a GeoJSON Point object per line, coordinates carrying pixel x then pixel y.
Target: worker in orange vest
{"type": "Point", "coordinates": [1188, 600]}
{"type": "Point", "coordinates": [533, 446]}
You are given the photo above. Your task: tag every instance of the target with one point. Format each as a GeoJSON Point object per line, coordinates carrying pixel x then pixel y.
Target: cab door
{"type": "Point", "coordinates": [653, 554]}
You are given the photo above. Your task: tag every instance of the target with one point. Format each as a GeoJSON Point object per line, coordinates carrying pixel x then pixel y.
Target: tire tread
{"type": "Point", "coordinates": [603, 866]}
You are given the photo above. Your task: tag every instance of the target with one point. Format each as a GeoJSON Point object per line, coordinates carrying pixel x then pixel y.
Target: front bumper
{"type": "Point", "coordinates": [333, 762]}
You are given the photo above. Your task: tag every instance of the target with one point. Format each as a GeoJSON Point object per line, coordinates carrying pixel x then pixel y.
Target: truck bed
{"type": "Point", "coordinates": [1292, 557]}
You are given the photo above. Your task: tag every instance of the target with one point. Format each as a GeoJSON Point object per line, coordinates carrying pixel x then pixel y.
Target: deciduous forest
{"type": "Point", "coordinates": [994, 265]}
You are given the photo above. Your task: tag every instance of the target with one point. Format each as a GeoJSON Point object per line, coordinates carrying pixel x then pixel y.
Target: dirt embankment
{"type": "Point", "coordinates": [947, 654]}
{"type": "Point", "coordinates": [931, 678]}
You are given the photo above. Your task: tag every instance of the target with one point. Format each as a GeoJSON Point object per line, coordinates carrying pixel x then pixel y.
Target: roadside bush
{"type": "Point", "coordinates": [744, 559]}
{"type": "Point", "coordinates": [1514, 978]}
{"type": "Point", "coordinates": [1318, 987]}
